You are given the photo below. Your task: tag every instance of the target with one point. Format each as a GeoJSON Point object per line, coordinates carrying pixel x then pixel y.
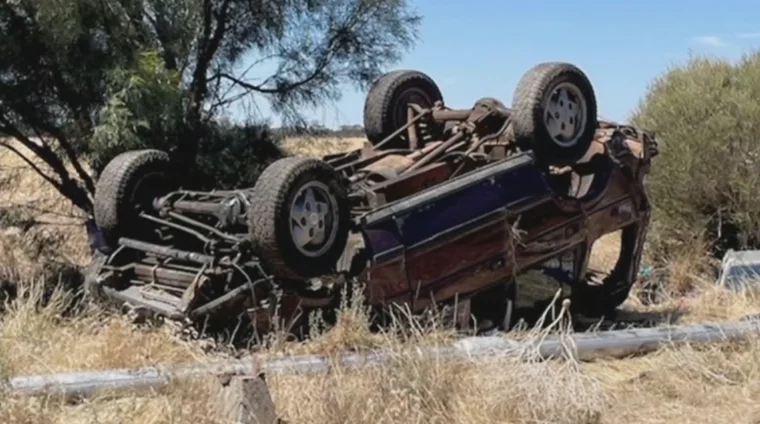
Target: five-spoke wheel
{"type": "Point", "coordinates": [565, 114]}
{"type": "Point", "coordinates": [314, 218]}
{"type": "Point", "coordinates": [299, 217]}
{"type": "Point", "coordinates": [554, 113]}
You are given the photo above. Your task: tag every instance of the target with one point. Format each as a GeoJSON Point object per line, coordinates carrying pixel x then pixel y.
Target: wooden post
{"type": "Point", "coordinates": [244, 399]}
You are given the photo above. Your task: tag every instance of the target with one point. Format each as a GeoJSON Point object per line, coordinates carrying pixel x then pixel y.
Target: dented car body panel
{"type": "Point", "coordinates": [460, 238]}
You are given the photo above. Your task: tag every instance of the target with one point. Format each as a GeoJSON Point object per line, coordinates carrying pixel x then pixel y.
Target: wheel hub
{"type": "Point", "coordinates": [565, 116]}
{"type": "Point", "coordinates": [146, 190]}
{"type": "Point", "coordinates": [412, 96]}
{"type": "Point", "coordinates": [314, 219]}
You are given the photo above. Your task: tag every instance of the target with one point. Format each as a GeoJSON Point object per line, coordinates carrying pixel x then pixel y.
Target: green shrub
{"type": "Point", "coordinates": [233, 156]}
{"type": "Point", "coordinates": [704, 184]}
{"type": "Point", "coordinates": [146, 109]}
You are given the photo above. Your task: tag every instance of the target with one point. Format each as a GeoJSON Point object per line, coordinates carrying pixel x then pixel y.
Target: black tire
{"type": "Point", "coordinates": [385, 107]}
{"type": "Point", "coordinates": [120, 193]}
{"type": "Point", "coordinates": [529, 109]}
{"type": "Point", "coordinates": [269, 217]}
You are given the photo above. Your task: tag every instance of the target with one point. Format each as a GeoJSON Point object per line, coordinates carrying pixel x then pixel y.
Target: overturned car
{"type": "Point", "coordinates": [441, 206]}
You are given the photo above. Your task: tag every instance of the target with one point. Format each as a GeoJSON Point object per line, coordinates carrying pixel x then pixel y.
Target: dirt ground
{"type": "Point", "coordinates": [715, 384]}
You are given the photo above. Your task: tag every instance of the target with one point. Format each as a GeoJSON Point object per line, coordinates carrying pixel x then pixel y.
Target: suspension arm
{"type": "Point", "coordinates": [171, 252]}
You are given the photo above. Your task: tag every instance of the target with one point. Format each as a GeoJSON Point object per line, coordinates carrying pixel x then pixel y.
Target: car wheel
{"type": "Point", "coordinates": [299, 219]}
{"type": "Point", "coordinates": [126, 187]}
{"type": "Point", "coordinates": [385, 108]}
{"type": "Point", "coordinates": [555, 113]}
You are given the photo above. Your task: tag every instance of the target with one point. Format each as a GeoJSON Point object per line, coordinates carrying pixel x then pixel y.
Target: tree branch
{"type": "Point", "coordinates": [65, 186]}
{"type": "Point", "coordinates": [32, 165]}
{"type": "Point", "coordinates": [244, 73]}
{"type": "Point", "coordinates": [322, 63]}
{"type": "Point", "coordinates": [72, 99]}
{"type": "Point", "coordinates": [208, 46]}
{"type": "Point", "coordinates": [277, 90]}
{"type": "Point", "coordinates": [160, 26]}
{"type": "Point", "coordinates": [47, 153]}
{"type": "Point", "coordinates": [73, 158]}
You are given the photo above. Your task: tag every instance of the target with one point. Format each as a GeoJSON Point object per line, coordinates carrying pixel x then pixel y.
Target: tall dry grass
{"type": "Point", "coordinates": [321, 146]}
{"type": "Point", "coordinates": [39, 333]}
{"type": "Point", "coordinates": [715, 384]}
{"type": "Point", "coordinates": [41, 233]}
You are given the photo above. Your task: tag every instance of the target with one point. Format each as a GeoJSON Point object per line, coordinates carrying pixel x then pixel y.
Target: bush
{"type": "Point", "coordinates": [233, 156]}
{"type": "Point", "coordinates": [704, 183]}
{"type": "Point", "coordinates": [146, 110]}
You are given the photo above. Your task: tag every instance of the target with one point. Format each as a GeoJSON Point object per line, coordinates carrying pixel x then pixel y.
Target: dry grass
{"type": "Point", "coordinates": [605, 252]}
{"type": "Point", "coordinates": [58, 234]}
{"type": "Point", "coordinates": [411, 389]}
{"type": "Point", "coordinates": [39, 336]}
{"type": "Point", "coordinates": [715, 384]}
{"type": "Point", "coordinates": [319, 146]}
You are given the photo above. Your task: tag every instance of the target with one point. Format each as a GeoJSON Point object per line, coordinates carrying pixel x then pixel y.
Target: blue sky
{"type": "Point", "coordinates": [481, 48]}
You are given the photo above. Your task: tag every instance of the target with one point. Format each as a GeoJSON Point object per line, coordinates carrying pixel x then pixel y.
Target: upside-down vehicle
{"type": "Point", "coordinates": [441, 206]}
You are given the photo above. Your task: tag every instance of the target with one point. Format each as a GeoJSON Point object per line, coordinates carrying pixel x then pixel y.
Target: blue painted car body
{"type": "Point", "coordinates": [459, 237]}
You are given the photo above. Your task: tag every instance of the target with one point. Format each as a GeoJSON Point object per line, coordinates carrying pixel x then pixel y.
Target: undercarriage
{"type": "Point", "coordinates": [294, 240]}
{"type": "Point", "coordinates": [217, 268]}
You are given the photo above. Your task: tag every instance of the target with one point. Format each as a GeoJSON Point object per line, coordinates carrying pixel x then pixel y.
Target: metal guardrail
{"type": "Point", "coordinates": [583, 346]}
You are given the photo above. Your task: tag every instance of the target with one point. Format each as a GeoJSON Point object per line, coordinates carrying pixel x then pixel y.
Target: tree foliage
{"type": "Point", "coordinates": [143, 109]}
{"type": "Point", "coordinates": [705, 114]}
{"type": "Point", "coordinates": [83, 80]}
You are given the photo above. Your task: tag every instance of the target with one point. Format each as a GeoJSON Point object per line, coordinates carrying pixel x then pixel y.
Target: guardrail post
{"type": "Point", "coordinates": [244, 399]}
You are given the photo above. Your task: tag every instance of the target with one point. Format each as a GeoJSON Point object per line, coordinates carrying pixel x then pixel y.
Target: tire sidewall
{"type": "Point", "coordinates": [421, 88]}
{"type": "Point", "coordinates": [115, 212]}
{"type": "Point", "coordinates": [303, 264]}
{"type": "Point", "coordinates": [429, 92]}
{"type": "Point", "coordinates": [382, 103]}
{"type": "Point", "coordinates": [127, 211]}
{"type": "Point", "coordinates": [152, 174]}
